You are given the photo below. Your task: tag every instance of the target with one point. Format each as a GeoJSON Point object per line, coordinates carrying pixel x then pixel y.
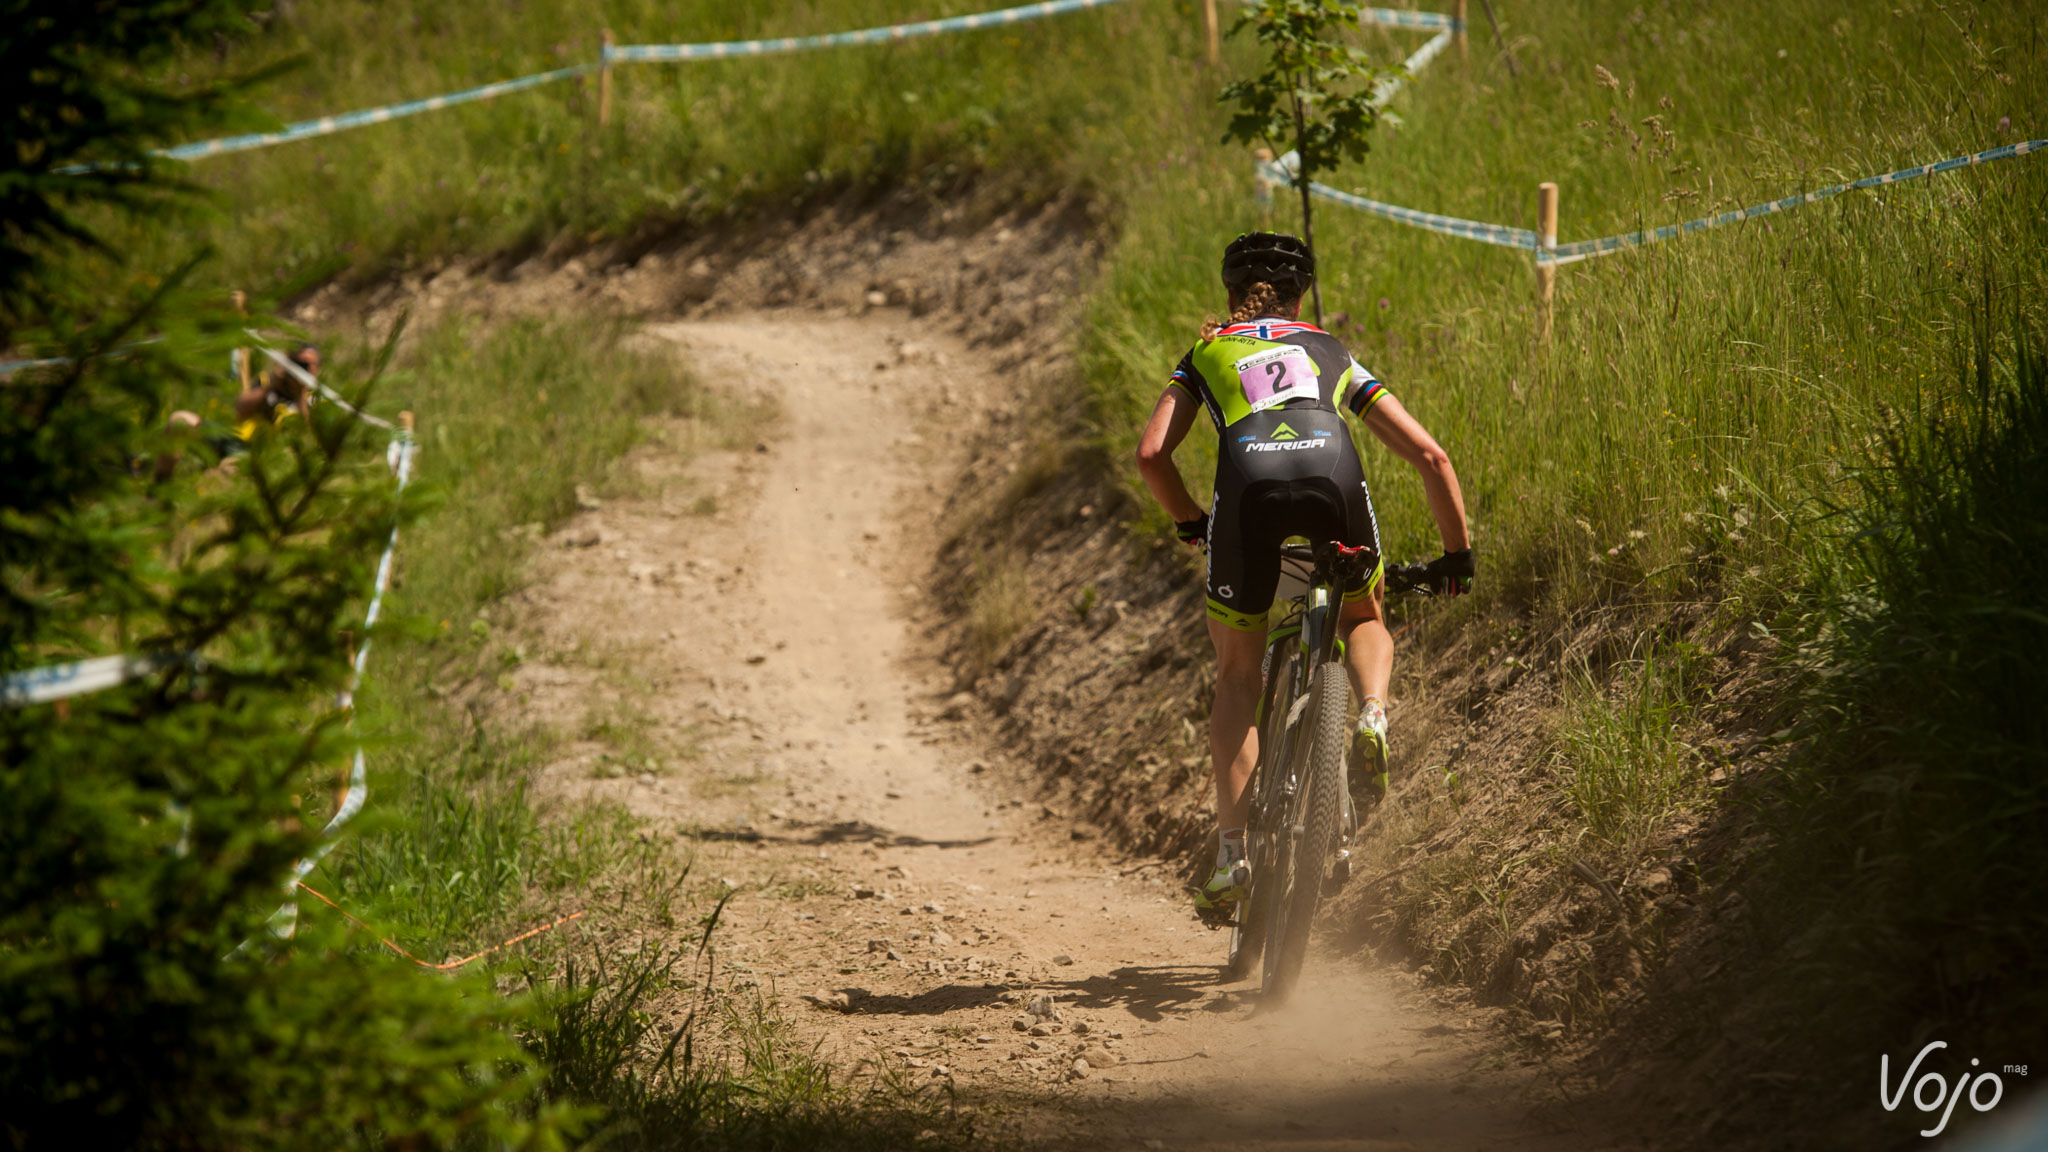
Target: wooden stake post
{"type": "Point", "coordinates": [604, 83]}
{"type": "Point", "coordinates": [1458, 13]}
{"type": "Point", "coordinates": [1546, 239]}
{"type": "Point", "coordinates": [242, 355]}
{"type": "Point", "coordinates": [1265, 192]}
{"type": "Point", "coordinates": [1215, 34]}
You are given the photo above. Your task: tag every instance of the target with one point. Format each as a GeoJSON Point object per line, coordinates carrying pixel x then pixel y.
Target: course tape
{"type": "Point", "coordinates": [1400, 18]}
{"type": "Point", "coordinates": [1384, 91]}
{"type": "Point", "coordinates": [1282, 171]}
{"type": "Point", "coordinates": [10, 367]}
{"type": "Point", "coordinates": [63, 681]}
{"type": "Point", "coordinates": [358, 778]}
{"type": "Point", "coordinates": [284, 922]}
{"type": "Point", "coordinates": [1607, 245]}
{"type": "Point", "coordinates": [327, 125]}
{"type": "Point", "coordinates": [341, 122]}
{"type": "Point", "coordinates": [732, 48]}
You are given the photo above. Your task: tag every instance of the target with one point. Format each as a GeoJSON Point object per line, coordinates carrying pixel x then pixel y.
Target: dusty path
{"type": "Point", "coordinates": [895, 897]}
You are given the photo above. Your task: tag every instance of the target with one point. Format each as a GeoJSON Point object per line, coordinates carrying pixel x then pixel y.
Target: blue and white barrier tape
{"type": "Point", "coordinates": [1282, 172]}
{"type": "Point", "coordinates": [1606, 245]}
{"type": "Point", "coordinates": [10, 367]}
{"type": "Point", "coordinates": [284, 922]}
{"type": "Point", "coordinates": [1401, 18]}
{"type": "Point", "coordinates": [327, 125]}
{"type": "Point", "coordinates": [63, 681]}
{"type": "Point", "coordinates": [81, 677]}
{"type": "Point", "coordinates": [893, 32]}
{"type": "Point", "coordinates": [1384, 91]}
{"type": "Point", "coordinates": [358, 777]}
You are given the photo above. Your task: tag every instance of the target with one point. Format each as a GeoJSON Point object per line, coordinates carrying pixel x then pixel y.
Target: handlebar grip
{"type": "Point", "coordinates": [1408, 578]}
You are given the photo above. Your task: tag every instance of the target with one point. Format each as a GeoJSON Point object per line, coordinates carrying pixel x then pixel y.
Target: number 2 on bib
{"type": "Point", "coordinates": [1277, 375]}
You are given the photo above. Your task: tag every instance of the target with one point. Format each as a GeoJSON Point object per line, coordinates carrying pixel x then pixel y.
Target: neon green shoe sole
{"type": "Point", "coordinates": [1226, 886]}
{"type": "Point", "coordinates": [1368, 762]}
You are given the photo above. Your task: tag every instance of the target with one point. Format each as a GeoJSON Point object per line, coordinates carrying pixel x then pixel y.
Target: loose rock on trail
{"type": "Point", "coordinates": [900, 895]}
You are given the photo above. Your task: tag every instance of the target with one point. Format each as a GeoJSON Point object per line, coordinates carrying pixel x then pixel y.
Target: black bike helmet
{"type": "Point", "coordinates": [1273, 257]}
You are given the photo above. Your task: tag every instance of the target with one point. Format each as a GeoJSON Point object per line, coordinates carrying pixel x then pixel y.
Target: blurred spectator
{"type": "Point", "coordinates": [278, 395]}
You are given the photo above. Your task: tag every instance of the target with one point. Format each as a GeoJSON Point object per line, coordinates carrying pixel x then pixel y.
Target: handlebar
{"type": "Point", "coordinates": [1412, 578]}
{"type": "Point", "coordinates": [1409, 578]}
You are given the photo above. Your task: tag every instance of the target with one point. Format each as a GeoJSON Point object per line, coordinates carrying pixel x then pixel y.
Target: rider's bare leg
{"type": "Point", "coordinates": [1233, 737]}
{"type": "Point", "coordinates": [1368, 647]}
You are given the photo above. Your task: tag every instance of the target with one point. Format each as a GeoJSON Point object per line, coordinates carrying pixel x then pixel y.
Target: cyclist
{"type": "Point", "coordinates": [1285, 467]}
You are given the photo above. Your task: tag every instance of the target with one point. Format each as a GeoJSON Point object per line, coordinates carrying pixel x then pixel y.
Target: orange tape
{"type": "Point", "coordinates": [451, 964]}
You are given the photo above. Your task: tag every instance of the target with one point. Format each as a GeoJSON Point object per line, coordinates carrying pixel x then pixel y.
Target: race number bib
{"type": "Point", "coordinates": [1276, 376]}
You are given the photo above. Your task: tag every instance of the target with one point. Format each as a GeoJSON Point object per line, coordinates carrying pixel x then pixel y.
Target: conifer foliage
{"type": "Point", "coordinates": [146, 831]}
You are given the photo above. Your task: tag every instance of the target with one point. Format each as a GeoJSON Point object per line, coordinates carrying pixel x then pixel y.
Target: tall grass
{"type": "Point", "coordinates": [1620, 757]}
{"type": "Point", "coordinates": [689, 143]}
{"type": "Point", "coordinates": [1692, 393]}
{"type": "Point", "coordinates": [1916, 820]}
{"type": "Point", "coordinates": [510, 420]}
{"type": "Point", "coordinates": [648, 1087]}
{"type": "Point", "coordinates": [1670, 440]}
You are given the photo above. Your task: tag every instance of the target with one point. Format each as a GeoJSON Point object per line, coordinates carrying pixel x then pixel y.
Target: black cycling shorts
{"type": "Point", "coordinates": [1318, 493]}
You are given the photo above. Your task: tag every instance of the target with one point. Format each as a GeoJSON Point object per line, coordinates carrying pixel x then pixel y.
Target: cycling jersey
{"type": "Point", "coordinates": [1284, 461]}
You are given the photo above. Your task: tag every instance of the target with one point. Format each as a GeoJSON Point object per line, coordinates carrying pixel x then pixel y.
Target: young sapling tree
{"type": "Point", "coordinates": [1315, 94]}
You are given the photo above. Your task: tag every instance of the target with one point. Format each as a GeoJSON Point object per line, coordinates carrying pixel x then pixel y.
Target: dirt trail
{"type": "Point", "coordinates": [896, 896]}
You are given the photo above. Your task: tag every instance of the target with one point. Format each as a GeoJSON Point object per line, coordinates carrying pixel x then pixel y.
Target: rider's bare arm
{"type": "Point", "coordinates": [1171, 419]}
{"type": "Point", "coordinates": [1412, 442]}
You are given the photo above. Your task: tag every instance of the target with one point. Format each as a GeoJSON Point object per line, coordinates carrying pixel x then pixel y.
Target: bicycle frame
{"type": "Point", "coordinates": [1309, 625]}
{"type": "Point", "coordinates": [1294, 762]}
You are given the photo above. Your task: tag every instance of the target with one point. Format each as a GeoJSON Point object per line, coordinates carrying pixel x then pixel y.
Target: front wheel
{"type": "Point", "coordinates": [1313, 830]}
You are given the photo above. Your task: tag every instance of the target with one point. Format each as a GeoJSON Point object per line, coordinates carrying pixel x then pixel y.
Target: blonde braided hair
{"type": "Point", "coordinates": [1261, 299]}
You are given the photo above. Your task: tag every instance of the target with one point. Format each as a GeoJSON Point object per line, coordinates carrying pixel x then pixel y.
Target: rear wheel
{"type": "Point", "coordinates": [1317, 813]}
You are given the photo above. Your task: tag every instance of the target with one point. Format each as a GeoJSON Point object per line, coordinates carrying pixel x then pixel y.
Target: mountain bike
{"type": "Point", "coordinates": [1301, 815]}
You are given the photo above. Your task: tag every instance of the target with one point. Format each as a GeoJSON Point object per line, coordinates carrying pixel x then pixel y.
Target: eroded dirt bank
{"type": "Point", "coordinates": [895, 892]}
{"type": "Point", "coordinates": [763, 653]}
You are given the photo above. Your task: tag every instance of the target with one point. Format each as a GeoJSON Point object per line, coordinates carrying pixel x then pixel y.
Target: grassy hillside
{"type": "Point", "coordinates": [1728, 370]}
{"type": "Point", "coordinates": [1686, 386]}
{"type": "Point", "coordinates": [687, 143]}
{"type": "Point", "coordinates": [1690, 433]}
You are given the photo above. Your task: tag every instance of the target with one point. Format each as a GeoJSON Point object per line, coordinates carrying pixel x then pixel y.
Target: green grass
{"type": "Point", "coordinates": [1678, 438]}
{"type": "Point", "coordinates": [509, 420]}
{"type": "Point", "coordinates": [1912, 879]}
{"type": "Point", "coordinates": [688, 143]}
{"type": "Point", "coordinates": [455, 854]}
{"type": "Point", "coordinates": [1619, 756]}
{"type": "Point", "coordinates": [999, 605]}
{"type": "Point", "coordinates": [1694, 393]}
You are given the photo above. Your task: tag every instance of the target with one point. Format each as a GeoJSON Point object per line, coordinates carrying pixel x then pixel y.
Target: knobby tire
{"type": "Point", "coordinates": [1254, 916]}
{"type": "Point", "coordinates": [1319, 757]}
